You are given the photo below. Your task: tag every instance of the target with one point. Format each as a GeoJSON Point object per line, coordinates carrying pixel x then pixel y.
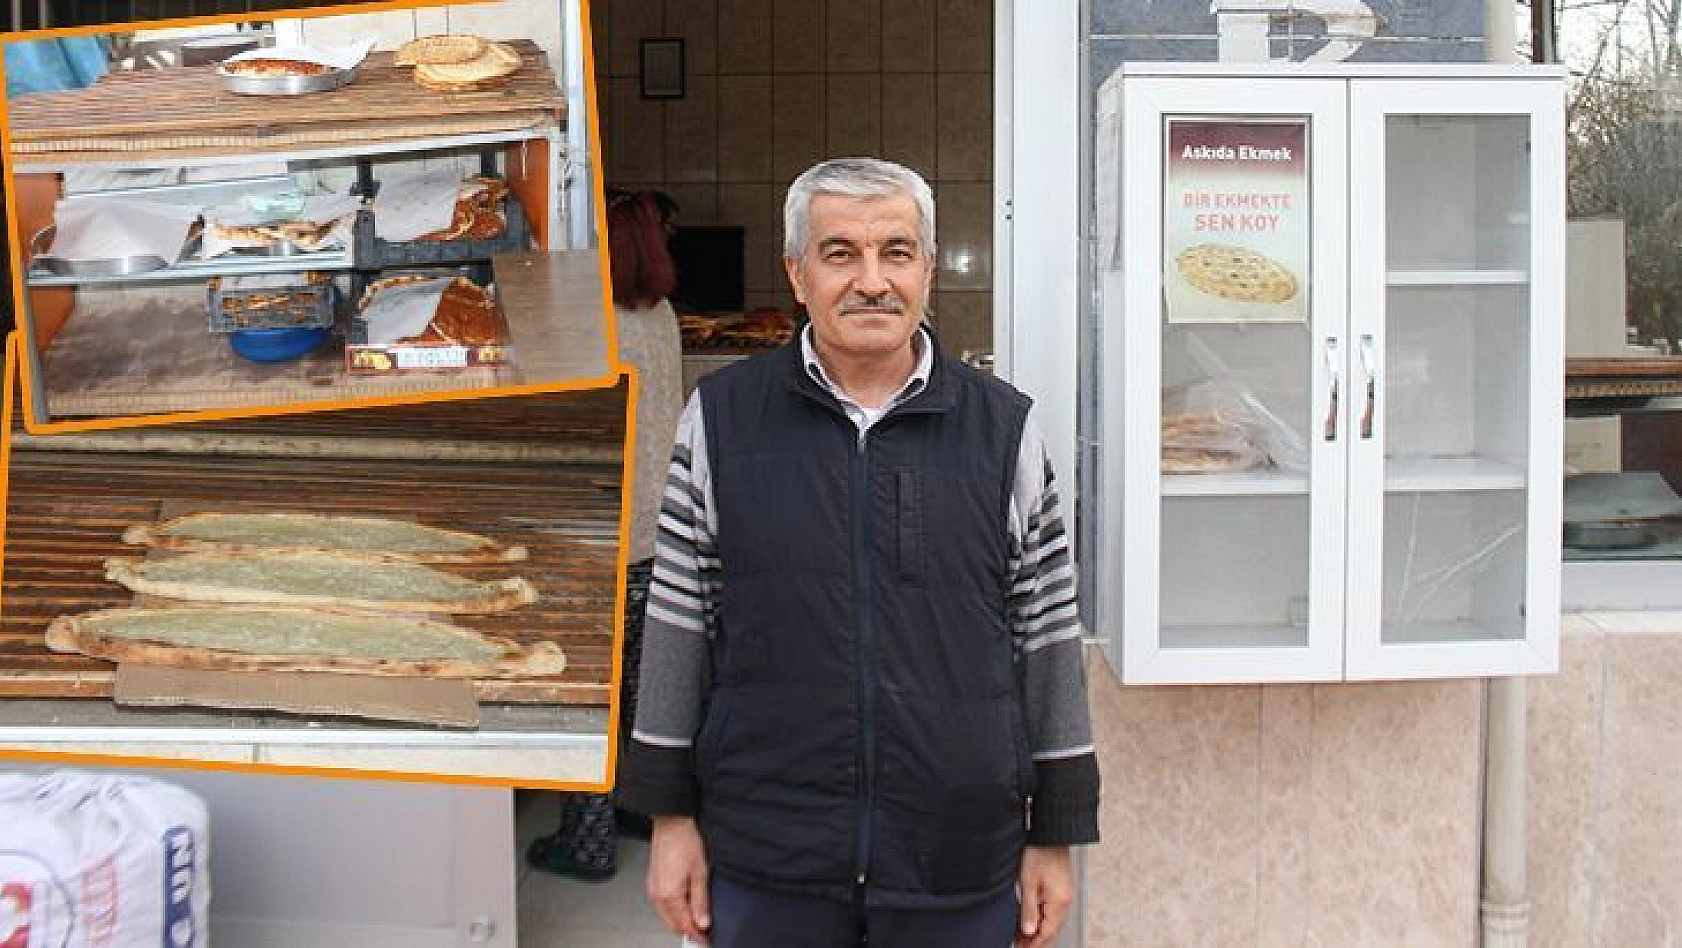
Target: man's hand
{"type": "Point", "coordinates": [677, 877]}
{"type": "Point", "coordinates": [1048, 889]}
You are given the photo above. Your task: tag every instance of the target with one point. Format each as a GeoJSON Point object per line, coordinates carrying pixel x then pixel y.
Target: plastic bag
{"type": "Point", "coordinates": [1197, 442]}
{"type": "Point", "coordinates": [102, 861]}
{"type": "Point", "coordinates": [1265, 434]}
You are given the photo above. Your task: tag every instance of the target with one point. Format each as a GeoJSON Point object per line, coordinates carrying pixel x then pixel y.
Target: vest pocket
{"type": "Point", "coordinates": [908, 521]}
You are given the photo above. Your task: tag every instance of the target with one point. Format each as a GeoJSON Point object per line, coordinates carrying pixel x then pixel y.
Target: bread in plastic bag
{"type": "Point", "coordinates": [1221, 426]}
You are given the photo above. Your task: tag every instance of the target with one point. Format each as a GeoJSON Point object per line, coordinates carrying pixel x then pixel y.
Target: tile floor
{"type": "Point", "coordinates": [564, 913]}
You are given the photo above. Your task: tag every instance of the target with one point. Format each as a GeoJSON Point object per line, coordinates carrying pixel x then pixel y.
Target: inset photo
{"type": "Point", "coordinates": [239, 216]}
{"type": "Point", "coordinates": [428, 589]}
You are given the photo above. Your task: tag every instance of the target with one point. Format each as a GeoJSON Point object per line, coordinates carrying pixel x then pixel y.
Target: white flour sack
{"type": "Point", "coordinates": [102, 861]}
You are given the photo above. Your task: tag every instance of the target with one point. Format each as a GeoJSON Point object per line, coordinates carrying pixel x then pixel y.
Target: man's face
{"type": "Point", "coordinates": [865, 275]}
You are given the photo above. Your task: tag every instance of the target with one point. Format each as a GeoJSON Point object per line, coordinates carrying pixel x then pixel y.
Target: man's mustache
{"type": "Point", "coordinates": [884, 304]}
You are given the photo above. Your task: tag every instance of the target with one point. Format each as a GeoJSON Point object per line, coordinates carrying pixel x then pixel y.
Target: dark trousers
{"type": "Point", "coordinates": [748, 917]}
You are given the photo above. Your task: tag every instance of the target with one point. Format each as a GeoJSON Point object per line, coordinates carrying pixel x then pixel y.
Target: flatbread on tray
{"type": "Point", "coordinates": [399, 540]}
{"type": "Point", "coordinates": [281, 638]}
{"type": "Point", "coordinates": [328, 579]}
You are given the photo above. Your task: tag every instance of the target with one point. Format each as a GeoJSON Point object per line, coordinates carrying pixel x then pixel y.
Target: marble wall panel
{"type": "Point", "coordinates": [1641, 820]}
{"type": "Point", "coordinates": [1286, 814]}
{"type": "Point", "coordinates": [1562, 790]}
{"type": "Point", "coordinates": [1177, 865]}
{"type": "Point", "coordinates": [1395, 849]}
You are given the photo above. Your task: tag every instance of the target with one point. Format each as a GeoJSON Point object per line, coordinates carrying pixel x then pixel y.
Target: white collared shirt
{"type": "Point", "coordinates": [861, 416]}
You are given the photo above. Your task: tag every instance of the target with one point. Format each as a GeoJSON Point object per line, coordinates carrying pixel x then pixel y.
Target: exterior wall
{"type": "Point", "coordinates": [1605, 787]}
{"type": "Point", "coordinates": [1286, 815]}
{"type": "Point", "coordinates": [775, 86]}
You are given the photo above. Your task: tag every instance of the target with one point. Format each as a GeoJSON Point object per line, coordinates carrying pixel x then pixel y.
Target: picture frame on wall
{"type": "Point", "coordinates": [662, 68]}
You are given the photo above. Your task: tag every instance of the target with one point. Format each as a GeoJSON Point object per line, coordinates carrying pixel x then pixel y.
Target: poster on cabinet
{"type": "Point", "coordinates": [1236, 220]}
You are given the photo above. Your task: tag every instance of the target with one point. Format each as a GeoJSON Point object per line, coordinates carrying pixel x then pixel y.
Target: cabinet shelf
{"type": "Point", "coordinates": [1239, 484]}
{"type": "Point", "coordinates": [199, 269]}
{"type": "Point", "coordinates": [155, 355]}
{"type": "Point", "coordinates": [1453, 278]}
{"type": "Point", "coordinates": [1233, 637]}
{"type": "Point", "coordinates": [1434, 633]}
{"type": "Point", "coordinates": [1452, 474]}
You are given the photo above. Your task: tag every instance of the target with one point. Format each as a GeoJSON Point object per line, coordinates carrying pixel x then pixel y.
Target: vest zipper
{"type": "Point", "coordinates": [866, 658]}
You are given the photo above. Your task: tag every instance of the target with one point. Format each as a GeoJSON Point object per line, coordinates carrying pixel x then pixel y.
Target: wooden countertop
{"type": "Point", "coordinates": [67, 510]}
{"type": "Point", "coordinates": [184, 111]}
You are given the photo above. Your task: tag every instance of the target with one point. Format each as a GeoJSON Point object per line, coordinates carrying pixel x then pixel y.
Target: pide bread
{"type": "Point", "coordinates": [338, 580]}
{"type": "Point", "coordinates": [478, 212]}
{"type": "Point", "coordinates": [466, 313]}
{"type": "Point", "coordinates": [305, 234]}
{"type": "Point", "coordinates": [490, 69]}
{"type": "Point", "coordinates": [440, 49]}
{"type": "Point", "coordinates": [286, 532]}
{"type": "Point", "coordinates": [289, 638]}
{"type": "Point", "coordinates": [1236, 273]}
{"type": "Point", "coordinates": [1205, 444]}
{"type": "Point", "coordinates": [273, 67]}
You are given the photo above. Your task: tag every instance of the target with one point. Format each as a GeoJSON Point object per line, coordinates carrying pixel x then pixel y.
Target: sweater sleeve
{"type": "Point", "coordinates": [1047, 631]}
{"type": "Point", "coordinates": [657, 775]}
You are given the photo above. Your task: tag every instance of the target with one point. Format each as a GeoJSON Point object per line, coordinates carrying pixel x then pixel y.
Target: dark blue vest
{"type": "Point", "coordinates": [865, 720]}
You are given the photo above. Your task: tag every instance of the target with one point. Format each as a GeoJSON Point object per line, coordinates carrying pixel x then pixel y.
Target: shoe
{"type": "Point", "coordinates": [543, 854]}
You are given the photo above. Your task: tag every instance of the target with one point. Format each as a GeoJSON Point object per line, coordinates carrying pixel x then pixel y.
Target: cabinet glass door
{"type": "Point", "coordinates": [1237, 280]}
{"type": "Point", "coordinates": [1455, 370]}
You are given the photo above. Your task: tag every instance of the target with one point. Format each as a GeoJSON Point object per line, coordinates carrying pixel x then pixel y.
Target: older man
{"type": "Point", "coordinates": [863, 711]}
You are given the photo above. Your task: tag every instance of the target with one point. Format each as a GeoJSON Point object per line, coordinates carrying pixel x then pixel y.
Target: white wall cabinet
{"type": "Point", "coordinates": [1367, 321]}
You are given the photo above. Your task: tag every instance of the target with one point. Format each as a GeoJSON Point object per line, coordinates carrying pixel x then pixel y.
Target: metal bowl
{"type": "Point", "coordinates": [285, 85]}
{"type": "Point", "coordinates": [112, 267]}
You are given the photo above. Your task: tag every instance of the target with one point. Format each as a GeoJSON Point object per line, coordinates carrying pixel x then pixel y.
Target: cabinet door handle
{"type": "Point", "coordinates": [1368, 365]}
{"type": "Point", "coordinates": [1335, 375]}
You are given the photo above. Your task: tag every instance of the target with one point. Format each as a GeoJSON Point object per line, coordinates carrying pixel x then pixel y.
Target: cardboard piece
{"type": "Point", "coordinates": [441, 701]}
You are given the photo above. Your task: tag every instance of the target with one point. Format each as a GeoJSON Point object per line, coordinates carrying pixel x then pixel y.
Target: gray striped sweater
{"type": "Point", "coordinates": [656, 776]}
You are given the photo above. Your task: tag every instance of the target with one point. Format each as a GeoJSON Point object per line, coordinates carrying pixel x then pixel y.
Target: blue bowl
{"type": "Point", "coordinates": [277, 345]}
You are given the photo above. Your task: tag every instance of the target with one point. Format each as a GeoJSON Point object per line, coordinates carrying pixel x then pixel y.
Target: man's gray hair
{"type": "Point", "coordinates": [852, 177]}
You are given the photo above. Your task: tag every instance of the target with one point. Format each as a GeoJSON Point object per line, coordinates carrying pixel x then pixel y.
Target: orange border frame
{"type": "Point", "coordinates": [14, 375]}
{"type": "Point", "coordinates": [609, 322]}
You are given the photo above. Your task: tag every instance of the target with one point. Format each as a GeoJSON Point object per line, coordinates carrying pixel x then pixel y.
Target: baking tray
{"type": "Point", "coordinates": [112, 267]}
{"type": "Point", "coordinates": [286, 85]}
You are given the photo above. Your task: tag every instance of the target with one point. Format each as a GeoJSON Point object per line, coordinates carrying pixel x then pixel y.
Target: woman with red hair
{"type": "Point", "coordinates": [638, 225]}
